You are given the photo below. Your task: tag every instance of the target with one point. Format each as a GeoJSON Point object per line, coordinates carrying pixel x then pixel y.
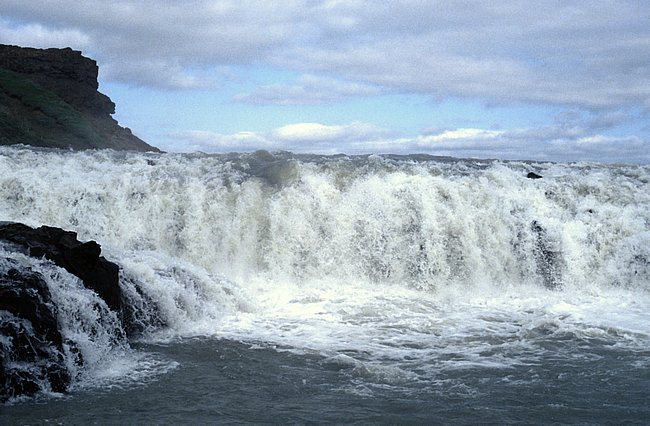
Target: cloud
{"type": "Point", "coordinates": [576, 53]}
{"type": "Point", "coordinates": [202, 34]}
{"type": "Point", "coordinates": [175, 76]}
{"type": "Point", "coordinates": [316, 133]}
{"type": "Point", "coordinates": [566, 144]}
{"type": "Point", "coordinates": [36, 35]}
{"type": "Point", "coordinates": [460, 135]}
{"type": "Point", "coordinates": [590, 59]}
{"type": "Point", "coordinates": [547, 143]}
{"type": "Point", "coordinates": [204, 141]}
{"type": "Point", "coordinates": [309, 89]}
{"type": "Point", "coordinates": [297, 137]}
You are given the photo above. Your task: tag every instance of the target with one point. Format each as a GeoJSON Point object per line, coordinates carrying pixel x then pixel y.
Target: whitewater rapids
{"type": "Point", "coordinates": [395, 267]}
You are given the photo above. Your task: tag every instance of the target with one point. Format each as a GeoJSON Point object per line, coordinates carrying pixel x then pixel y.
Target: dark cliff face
{"type": "Point", "coordinates": [65, 72]}
{"type": "Point", "coordinates": [49, 98]}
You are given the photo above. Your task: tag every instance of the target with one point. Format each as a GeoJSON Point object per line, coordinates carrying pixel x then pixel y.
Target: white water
{"type": "Point", "coordinates": [91, 331]}
{"type": "Point", "coordinates": [395, 268]}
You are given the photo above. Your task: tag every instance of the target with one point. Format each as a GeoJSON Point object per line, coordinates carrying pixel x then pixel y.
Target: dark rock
{"type": "Point", "coordinates": [548, 261]}
{"type": "Point", "coordinates": [80, 259]}
{"type": "Point", "coordinates": [27, 296]}
{"type": "Point", "coordinates": [142, 313]}
{"type": "Point", "coordinates": [49, 98]}
{"type": "Point", "coordinates": [64, 72]}
{"type": "Point", "coordinates": [31, 346]}
{"type": "Point", "coordinates": [533, 175]}
{"type": "Point", "coordinates": [34, 354]}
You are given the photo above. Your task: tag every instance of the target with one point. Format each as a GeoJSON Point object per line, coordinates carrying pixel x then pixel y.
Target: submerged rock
{"type": "Point", "coordinates": [548, 260]}
{"type": "Point", "coordinates": [533, 175]}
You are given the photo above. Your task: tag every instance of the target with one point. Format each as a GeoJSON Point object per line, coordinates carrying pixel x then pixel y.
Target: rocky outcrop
{"type": "Point", "coordinates": [49, 98]}
{"type": "Point", "coordinates": [31, 344]}
{"type": "Point", "coordinates": [63, 71]}
{"type": "Point", "coordinates": [80, 259]}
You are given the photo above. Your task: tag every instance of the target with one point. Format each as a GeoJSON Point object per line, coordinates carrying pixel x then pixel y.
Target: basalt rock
{"type": "Point", "coordinates": [49, 98]}
{"type": "Point", "coordinates": [31, 346]}
{"type": "Point", "coordinates": [65, 72]}
{"type": "Point", "coordinates": [78, 258]}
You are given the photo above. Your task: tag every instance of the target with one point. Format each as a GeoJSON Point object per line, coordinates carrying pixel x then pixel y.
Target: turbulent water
{"type": "Point", "coordinates": [285, 288]}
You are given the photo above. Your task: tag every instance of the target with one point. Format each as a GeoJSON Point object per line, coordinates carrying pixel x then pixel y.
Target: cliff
{"type": "Point", "coordinates": [49, 98]}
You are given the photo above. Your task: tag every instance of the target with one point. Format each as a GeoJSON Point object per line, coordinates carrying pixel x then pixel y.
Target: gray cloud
{"type": "Point", "coordinates": [37, 35]}
{"type": "Point", "coordinates": [577, 53]}
{"type": "Point", "coordinates": [129, 36]}
{"type": "Point", "coordinates": [307, 90]}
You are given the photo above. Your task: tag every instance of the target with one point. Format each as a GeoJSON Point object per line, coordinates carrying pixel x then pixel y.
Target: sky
{"type": "Point", "coordinates": [545, 80]}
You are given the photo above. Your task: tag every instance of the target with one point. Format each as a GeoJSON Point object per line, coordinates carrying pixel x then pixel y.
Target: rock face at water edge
{"type": "Point", "coordinates": [31, 343]}
{"type": "Point", "coordinates": [31, 346]}
{"type": "Point", "coordinates": [63, 248]}
{"type": "Point", "coordinates": [49, 98]}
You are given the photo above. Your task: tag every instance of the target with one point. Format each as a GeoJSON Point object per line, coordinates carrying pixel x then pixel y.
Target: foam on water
{"type": "Point", "coordinates": [91, 331]}
{"type": "Point", "coordinates": [395, 268]}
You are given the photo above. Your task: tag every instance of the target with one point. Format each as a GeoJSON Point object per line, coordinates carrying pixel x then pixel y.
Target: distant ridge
{"type": "Point", "coordinates": [49, 98]}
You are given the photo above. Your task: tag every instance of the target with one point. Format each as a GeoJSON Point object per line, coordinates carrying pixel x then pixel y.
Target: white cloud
{"type": "Point", "coordinates": [459, 135]}
{"type": "Point", "coordinates": [202, 34]}
{"type": "Point", "coordinates": [363, 138]}
{"type": "Point", "coordinates": [204, 141]}
{"type": "Point", "coordinates": [308, 132]}
{"type": "Point", "coordinates": [321, 133]}
{"type": "Point", "coordinates": [542, 144]}
{"type": "Point", "coordinates": [297, 137]}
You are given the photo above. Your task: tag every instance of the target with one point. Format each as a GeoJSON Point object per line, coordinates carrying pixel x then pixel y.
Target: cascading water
{"type": "Point", "coordinates": [423, 224]}
{"type": "Point", "coordinates": [395, 267]}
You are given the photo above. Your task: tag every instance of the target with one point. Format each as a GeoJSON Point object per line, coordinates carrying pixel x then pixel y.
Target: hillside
{"type": "Point", "coordinates": [49, 98]}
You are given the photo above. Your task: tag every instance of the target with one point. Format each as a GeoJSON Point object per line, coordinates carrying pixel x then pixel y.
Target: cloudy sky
{"type": "Point", "coordinates": [546, 80]}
